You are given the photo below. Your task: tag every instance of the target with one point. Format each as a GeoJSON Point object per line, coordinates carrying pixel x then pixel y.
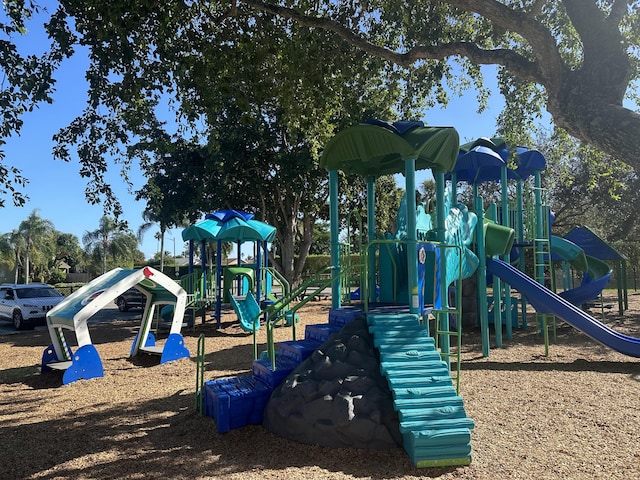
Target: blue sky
{"type": "Point", "coordinates": [56, 189]}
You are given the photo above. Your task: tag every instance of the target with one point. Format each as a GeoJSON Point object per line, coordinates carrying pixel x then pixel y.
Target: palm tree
{"type": "Point", "coordinates": [109, 238]}
{"type": "Point", "coordinates": [164, 223]}
{"type": "Point", "coordinates": [11, 247]}
{"type": "Point", "coordinates": [34, 230]}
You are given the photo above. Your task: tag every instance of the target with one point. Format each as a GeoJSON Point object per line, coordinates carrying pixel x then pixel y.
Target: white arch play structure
{"type": "Point", "coordinates": [74, 312]}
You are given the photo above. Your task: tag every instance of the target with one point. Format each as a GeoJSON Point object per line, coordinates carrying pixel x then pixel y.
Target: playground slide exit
{"type": "Point", "coordinates": [547, 302]}
{"type": "Point", "coordinates": [596, 272]}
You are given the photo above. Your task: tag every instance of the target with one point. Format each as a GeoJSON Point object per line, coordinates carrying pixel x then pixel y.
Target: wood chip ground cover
{"type": "Point", "coordinates": [574, 414]}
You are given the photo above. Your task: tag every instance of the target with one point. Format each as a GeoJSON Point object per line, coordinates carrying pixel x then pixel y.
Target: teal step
{"type": "Point", "coordinates": [410, 342]}
{"type": "Point", "coordinates": [432, 413]}
{"type": "Point", "coordinates": [443, 448]}
{"type": "Point", "coordinates": [391, 331]}
{"type": "Point", "coordinates": [396, 354]}
{"type": "Point", "coordinates": [423, 393]}
{"type": "Point", "coordinates": [433, 422]}
{"type": "Point", "coordinates": [434, 425]}
{"type": "Point", "coordinates": [426, 382]}
{"type": "Point", "coordinates": [396, 320]}
{"type": "Point", "coordinates": [405, 369]}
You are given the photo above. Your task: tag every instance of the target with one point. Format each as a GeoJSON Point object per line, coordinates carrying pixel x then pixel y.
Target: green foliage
{"type": "Point", "coordinates": [588, 188]}
{"type": "Point", "coordinates": [111, 245]}
{"type": "Point", "coordinates": [321, 244]}
{"type": "Point", "coordinates": [56, 276]}
{"type": "Point", "coordinates": [27, 81]}
{"type": "Point", "coordinates": [315, 264]}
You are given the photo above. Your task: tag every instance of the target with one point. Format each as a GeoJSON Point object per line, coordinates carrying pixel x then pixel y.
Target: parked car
{"type": "Point", "coordinates": [28, 304]}
{"type": "Point", "coordinates": [132, 298]}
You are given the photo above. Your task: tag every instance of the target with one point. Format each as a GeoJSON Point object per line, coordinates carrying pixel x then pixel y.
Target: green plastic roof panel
{"type": "Point", "coordinates": [379, 148]}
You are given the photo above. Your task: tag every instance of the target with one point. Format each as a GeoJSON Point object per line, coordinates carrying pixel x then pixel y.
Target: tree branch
{"type": "Point", "coordinates": [543, 44]}
{"type": "Point", "coordinates": [618, 10]}
{"type": "Point", "coordinates": [508, 58]}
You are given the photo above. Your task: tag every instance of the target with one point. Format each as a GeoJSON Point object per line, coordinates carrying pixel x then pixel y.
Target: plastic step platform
{"type": "Point", "coordinates": [236, 402]}
{"type": "Point", "coordinates": [320, 332]}
{"type": "Point", "coordinates": [298, 350]}
{"type": "Point", "coordinates": [339, 317]}
{"type": "Point", "coordinates": [262, 370]}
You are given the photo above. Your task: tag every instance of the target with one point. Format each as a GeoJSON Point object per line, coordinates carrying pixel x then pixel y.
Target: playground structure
{"type": "Point", "coordinates": [74, 312]}
{"type": "Point", "coordinates": [207, 286]}
{"type": "Point", "coordinates": [407, 278]}
{"type": "Point", "coordinates": [486, 160]}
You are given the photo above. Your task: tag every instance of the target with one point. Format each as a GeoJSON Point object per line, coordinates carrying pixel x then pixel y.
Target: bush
{"type": "Point", "coordinates": [57, 276]}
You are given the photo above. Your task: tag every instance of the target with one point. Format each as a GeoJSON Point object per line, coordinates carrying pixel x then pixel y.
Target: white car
{"type": "Point", "coordinates": [25, 305]}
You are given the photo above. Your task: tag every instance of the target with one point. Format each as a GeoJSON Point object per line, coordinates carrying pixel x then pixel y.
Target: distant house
{"type": "Point", "coordinates": [64, 266]}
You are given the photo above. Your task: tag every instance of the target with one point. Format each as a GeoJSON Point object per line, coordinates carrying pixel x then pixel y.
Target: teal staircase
{"type": "Point", "coordinates": [435, 428]}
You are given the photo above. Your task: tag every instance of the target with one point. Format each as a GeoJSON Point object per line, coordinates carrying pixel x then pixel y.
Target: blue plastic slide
{"type": "Point", "coordinates": [547, 302]}
{"type": "Point", "coordinates": [596, 272]}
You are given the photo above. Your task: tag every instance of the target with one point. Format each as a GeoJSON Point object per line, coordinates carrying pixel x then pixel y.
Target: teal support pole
{"type": "Point", "coordinates": [521, 258]}
{"type": "Point", "coordinates": [443, 318]}
{"type": "Point", "coordinates": [481, 274]}
{"type": "Point", "coordinates": [497, 290]}
{"type": "Point", "coordinates": [539, 228]}
{"type": "Point", "coordinates": [508, 329]}
{"type": "Point", "coordinates": [371, 236]}
{"type": "Point", "coordinates": [412, 236]}
{"type": "Point", "coordinates": [454, 189]}
{"type": "Point", "coordinates": [335, 244]}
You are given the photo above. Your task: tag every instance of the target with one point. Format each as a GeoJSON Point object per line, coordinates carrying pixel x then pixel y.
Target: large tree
{"type": "Point", "coordinates": [579, 57]}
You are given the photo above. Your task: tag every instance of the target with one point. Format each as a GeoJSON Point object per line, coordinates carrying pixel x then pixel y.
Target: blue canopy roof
{"type": "Point", "coordinates": [593, 245]}
{"type": "Point", "coordinates": [229, 226]}
{"type": "Point", "coordinates": [482, 161]}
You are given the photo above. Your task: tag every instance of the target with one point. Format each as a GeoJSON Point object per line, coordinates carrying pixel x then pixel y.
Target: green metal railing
{"type": "Point", "coordinates": [200, 355]}
{"type": "Point", "coordinates": [443, 331]}
{"type": "Point", "coordinates": [318, 283]}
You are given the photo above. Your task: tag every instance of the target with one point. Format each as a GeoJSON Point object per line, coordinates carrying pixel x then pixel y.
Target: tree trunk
{"type": "Point", "coordinates": [611, 128]}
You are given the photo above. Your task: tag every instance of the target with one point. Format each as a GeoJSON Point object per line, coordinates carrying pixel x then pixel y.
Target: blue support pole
{"type": "Point", "coordinates": [203, 261]}
{"type": "Point", "coordinates": [219, 291]}
{"type": "Point", "coordinates": [258, 270]}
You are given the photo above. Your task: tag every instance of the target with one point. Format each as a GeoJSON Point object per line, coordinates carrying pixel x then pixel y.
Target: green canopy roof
{"type": "Point", "coordinates": [381, 149]}
{"type": "Point", "coordinates": [229, 226]}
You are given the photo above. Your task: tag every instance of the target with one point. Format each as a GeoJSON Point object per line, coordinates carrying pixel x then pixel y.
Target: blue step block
{"type": "Point", "coordinates": [341, 316]}
{"type": "Point", "coordinates": [298, 350]}
{"type": "Point", "coordinates": [320, 332]}
{"type": "Point", "coordinates": [236, 402]}
{"type": "Point", "coordinates": [262, 370]}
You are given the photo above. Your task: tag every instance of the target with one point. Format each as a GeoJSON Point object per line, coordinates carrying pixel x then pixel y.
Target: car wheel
{"type": "Point", "coordinates": [18, 321]}
{"type": "Point", "coordinates": [122, 304]}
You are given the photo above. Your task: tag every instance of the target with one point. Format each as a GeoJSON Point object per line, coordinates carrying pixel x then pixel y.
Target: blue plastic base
{"type": "Point", "coordinates": [149, 342]}
{"type": "Point", "coordinates": [85, 364]}
{"type": "Point", "coordinates": [236, 402]}
{"type": "Point", "coordinates": [174, 349]}
{"type": "Point", "coordinates": [49, 356]}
